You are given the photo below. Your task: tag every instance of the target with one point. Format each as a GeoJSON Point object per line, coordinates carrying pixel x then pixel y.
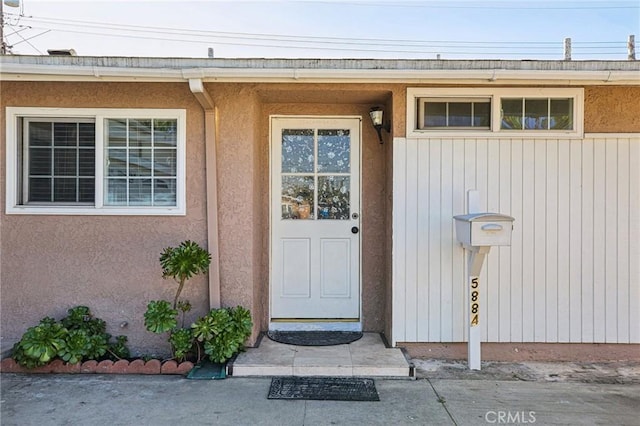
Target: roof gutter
{"type": "Point", "coordinates": [29, 72]}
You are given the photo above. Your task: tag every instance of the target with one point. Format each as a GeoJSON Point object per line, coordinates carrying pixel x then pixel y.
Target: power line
{"type": "Point", "coordinates": [393, 51]}
{"type": "Point", "coordinates": [471, 44]}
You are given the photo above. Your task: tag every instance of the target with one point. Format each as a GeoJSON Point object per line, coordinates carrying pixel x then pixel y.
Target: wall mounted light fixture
{"type": "Point", "coordinates": [377, 118]}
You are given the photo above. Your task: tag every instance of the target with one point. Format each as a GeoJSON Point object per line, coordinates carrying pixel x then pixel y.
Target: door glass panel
{"type": "Point", "coordinates": [334, 151]}
{"type": "Point", "coordinates": [297, 151]}
{"type": "Point", "coordinates": [297, 197]}
{"type": "Point", "coordinates": [333, 197]}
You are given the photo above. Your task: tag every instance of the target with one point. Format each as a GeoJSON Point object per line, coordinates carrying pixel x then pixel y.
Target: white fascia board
{"type": "Point", "coordinates": [21, 72]}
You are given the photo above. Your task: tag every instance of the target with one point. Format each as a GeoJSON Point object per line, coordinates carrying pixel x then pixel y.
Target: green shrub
{"type": "Point", "coordinates": [77, 337]}
{"type": "Point", "coordinates": [159, 317]}
{"type": "Point", "coordinates": [221, 333]}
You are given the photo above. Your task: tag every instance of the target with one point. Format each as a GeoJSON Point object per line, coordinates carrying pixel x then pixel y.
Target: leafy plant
{"type": "Point", "coordinates": [40, 344]}
{"type": "Point", "coordinates": [221, 333]}
{"type": "Point", "coordinates": [183, 262]}
{"type": "Point", "coordinates": [159, 317]}
{"type": "Point", "coordinates": [77, 337]}
{"type": "Point", "coordinates": [181, 342]}
{"type": "Point", "coordinates": [119, 349]}
{"type": "Point", "coordinates": [76, 346]}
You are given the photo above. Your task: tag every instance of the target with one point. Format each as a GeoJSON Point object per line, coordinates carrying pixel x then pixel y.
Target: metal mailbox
{"type": "Point", "coordinates": [484, 229]}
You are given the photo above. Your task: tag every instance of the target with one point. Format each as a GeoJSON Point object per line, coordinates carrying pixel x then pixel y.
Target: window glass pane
{"type": "Point", "coordinates": [435, 114]}
{"type": "Point", "coordinates": [40, 134]}
{"type": "Point", "coordinates": [164, 163]}
{"type": "Point", "coordinates": [140, 132]}
{"type": "Point", "coordinates": [482, 114]}
{"type": "Point", "coordinates": [536, 114]}
{"type": "Point", "coordinates": [86, 134]}
{"type": "Point", "coordinates": [39, 161]}
{"type": "Point", "coordinates": [334, 151]}
{"type": "Point", "coordinates": [165, 132]}
{"type": "Point", "coordinates": [116, 162]}
{"type": "Point", "coordinates": [148, 151]}
{"type": "Point", "coordinates": [561, 114]}
{"type": "Point", "coordinates": [164, 192]}
{"type": "Point", "coordinates": [65, 134]}
{"type": "Point", "coordinates": [117, 132]}
{"type": "Point", "coordinates": [460, 114]}
{"type": "Point", "coordinates": [61, 151]}
{"type": "Point", "coordinates": [65, 162]}
{"type": "Point", "coordinates": [86, 190]}
{"type": "Point", "coordinates": [40, 189]}
{"type": "Point", "coordinates": [139, 162]}
{"type": "Point", "coordinates": [333, 197]}
{"type": "Point", "coordinates": [87, 162]}
{"type": "Point", "coordinates": [116, 192]}
{"type": "Point", "coordinates": [297, 150]}
{"type": "Point", "coordinates": [139, 192]}
{"type": "Point", "coordinates": [297, 197]}
{"type": "Point", "coordinates": [512, 114]}
{"type": "Point", "coordinates": [64, 189]}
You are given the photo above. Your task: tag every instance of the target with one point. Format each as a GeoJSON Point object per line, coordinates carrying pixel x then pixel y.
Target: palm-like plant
{"type": "Point", "coordinates": [183, 262]}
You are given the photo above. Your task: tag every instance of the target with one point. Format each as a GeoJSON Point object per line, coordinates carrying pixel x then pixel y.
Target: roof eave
{"type": "Point", "coordinates": [39, 72]}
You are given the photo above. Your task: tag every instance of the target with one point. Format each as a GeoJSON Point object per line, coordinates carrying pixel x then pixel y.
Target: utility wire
{"type": "Point", "coordinates": [294, 39]}
{"type": "Point", "coordinates": [519, 52]}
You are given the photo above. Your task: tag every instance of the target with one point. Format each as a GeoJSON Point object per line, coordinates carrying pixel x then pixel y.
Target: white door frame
{"type": "Point", "coordinates": [302, 325]}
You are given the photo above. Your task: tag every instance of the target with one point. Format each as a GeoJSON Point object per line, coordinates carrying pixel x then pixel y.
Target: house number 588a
{"type": "Point", "coordinates": [475, 301]}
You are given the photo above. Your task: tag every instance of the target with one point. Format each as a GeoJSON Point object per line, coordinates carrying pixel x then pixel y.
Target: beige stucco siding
{"type": "Point", "coordinates": [109, 263]}
{"type": "Point", "coordinates": [612, 109]}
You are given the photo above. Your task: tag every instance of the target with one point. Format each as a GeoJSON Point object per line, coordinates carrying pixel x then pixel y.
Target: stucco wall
{"type": "Point", "coordinates": [612, 109]}
{"type": "Point", "coordinates": [109, 263]}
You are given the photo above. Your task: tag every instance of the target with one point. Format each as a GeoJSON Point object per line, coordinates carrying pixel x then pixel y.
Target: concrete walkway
{"type": "Point", "coordinates": [173, 400]}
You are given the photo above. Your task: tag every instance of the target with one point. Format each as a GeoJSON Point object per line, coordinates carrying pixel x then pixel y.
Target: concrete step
{"type": "Point", "coordinates": [367, 356]}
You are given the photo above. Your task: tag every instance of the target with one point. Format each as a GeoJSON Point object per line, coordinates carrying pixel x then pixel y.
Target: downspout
{"type": "Point", "coordinates": [197, 88]}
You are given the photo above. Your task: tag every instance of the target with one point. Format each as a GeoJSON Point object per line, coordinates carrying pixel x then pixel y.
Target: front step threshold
{"type": "Point", "coordinates": [367, 357]}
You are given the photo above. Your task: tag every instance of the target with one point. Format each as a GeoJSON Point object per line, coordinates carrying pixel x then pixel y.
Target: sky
{"type": "Point", "coordinates": [507, 29]}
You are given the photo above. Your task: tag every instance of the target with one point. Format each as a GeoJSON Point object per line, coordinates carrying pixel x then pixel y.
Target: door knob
{"type": "Point", "coordinates": [354, 230]}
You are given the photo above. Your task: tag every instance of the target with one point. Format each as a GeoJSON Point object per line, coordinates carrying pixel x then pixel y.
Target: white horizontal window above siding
{"type": "Point", "coordinates": [440, 112]}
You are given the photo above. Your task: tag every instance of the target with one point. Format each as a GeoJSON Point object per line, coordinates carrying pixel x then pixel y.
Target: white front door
{"type": "Point", "coordinates": [315, 218]}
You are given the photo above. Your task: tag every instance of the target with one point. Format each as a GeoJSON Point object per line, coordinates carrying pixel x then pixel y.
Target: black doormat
{"type": "Point", "coordinates": [324, 388]}
{"type": "Point", "coordinates": [314, 338]}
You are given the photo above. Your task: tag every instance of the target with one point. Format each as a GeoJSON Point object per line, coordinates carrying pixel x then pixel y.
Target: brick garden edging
{"type": "Point", "coordinates": [137, 366]}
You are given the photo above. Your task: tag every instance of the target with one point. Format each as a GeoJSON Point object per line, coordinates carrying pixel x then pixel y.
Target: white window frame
{"type": "Point", "coordinates": [495, 94]}
{"type": "Point", "coordinates": [13, 116]}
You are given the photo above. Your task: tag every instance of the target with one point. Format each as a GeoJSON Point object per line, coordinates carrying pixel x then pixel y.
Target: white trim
{"type": "Point", "coordinates": [315, 326]}
{"type": "Point", "coordinates": [99, 114]}
{"type": "Point", "coordinates": [45, 72]}
{"type": "Point", "coordinates": [302, 326]}
{"type": "Point", "coordinates": [495, 94]}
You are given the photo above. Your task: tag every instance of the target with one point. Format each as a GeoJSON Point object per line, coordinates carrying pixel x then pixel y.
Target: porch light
{"type": "Point", "coordinates": [377, 118]}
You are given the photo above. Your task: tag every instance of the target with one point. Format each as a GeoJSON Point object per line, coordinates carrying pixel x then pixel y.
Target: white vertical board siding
{"type": "Point", "coordinates": [572, 273]}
